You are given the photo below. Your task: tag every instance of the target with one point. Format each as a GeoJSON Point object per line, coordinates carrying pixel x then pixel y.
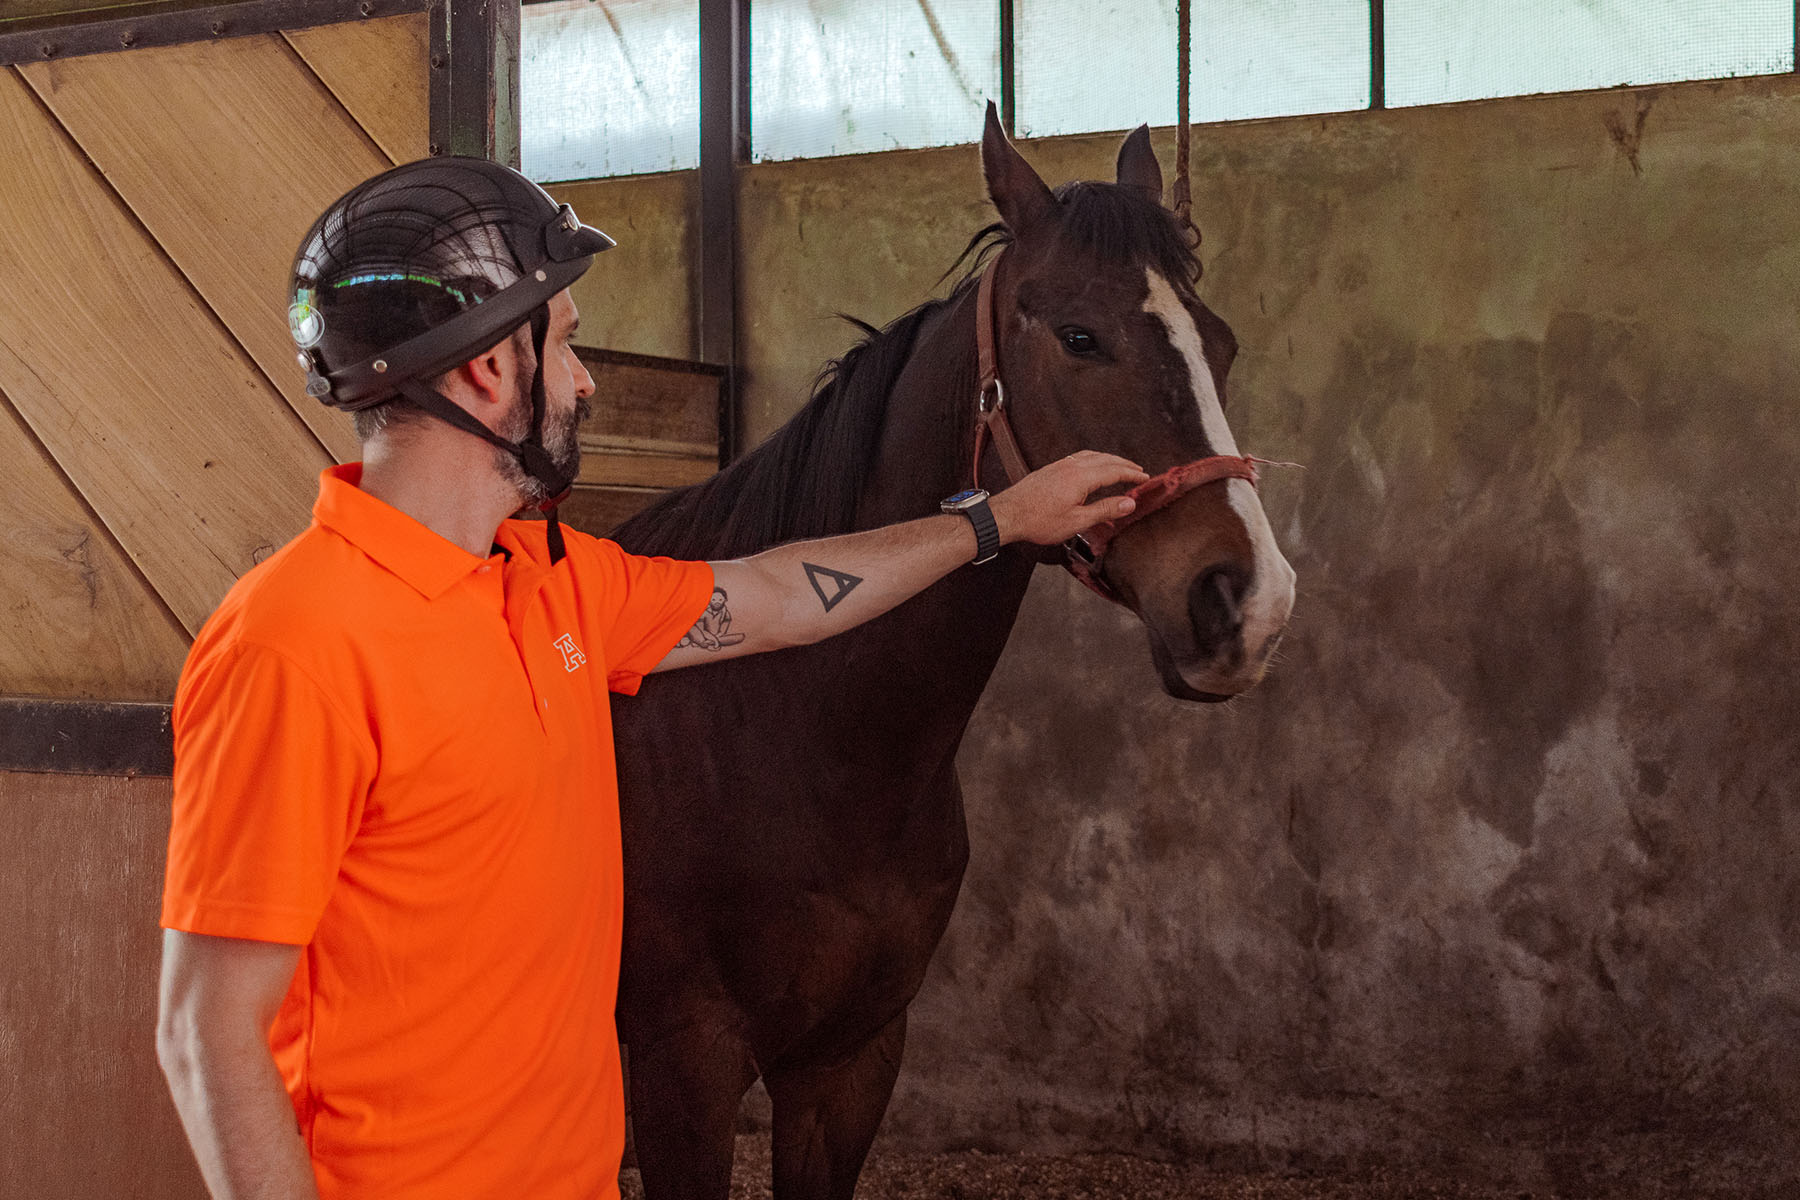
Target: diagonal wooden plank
{"type": "Point", "coordinates": [78, 620]}
{"type": "Point", "coordinates": [158, 417]}
{"type": "Point", "coordinates": [226, 152]}
{"type": "Point", "coordinates": [380, 71]}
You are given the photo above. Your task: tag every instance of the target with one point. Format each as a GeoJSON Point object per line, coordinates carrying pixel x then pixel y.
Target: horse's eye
{"type": "Point", "coordinates": [1079, 341]}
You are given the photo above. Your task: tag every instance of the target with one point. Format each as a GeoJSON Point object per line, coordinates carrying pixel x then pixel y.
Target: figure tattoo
{"type": "Point", "coordinates": [832, 586]}
{"type": "Point", "coordinates": [713, 630]}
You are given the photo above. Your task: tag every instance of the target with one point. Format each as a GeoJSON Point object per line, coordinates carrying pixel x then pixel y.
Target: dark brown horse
{"type": "Point", "coordinates": [794, 835]}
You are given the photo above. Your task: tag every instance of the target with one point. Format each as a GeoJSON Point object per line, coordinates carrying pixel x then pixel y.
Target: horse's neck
{"type": "Point", "coordinates": [944, 643]}
{"type": "Point", "coordinates": [929, 422]}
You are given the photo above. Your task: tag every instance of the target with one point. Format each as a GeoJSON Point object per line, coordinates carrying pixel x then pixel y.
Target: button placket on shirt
{"type": "Point", "coordinates": [531, 638]}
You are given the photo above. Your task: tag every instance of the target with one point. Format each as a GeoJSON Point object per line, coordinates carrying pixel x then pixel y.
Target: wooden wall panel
{"type": "Point", "coordinates": [227, 174]}
{"type": "Point", "coordinates": [635, 469]}
{"type": "Point", "coordinates": [84, 1111]}
{"type": "Point", "coordinates": [653, 426]}
{"type": "Point", "coordinates": [154, 413]}
{"type": "Point", "coordinates": [600, 510]}
{"type": "Point", "coordinates": [650, 403]}
{"type": "Point", "coordinates": [380, 71]}
{"type": "Point", "coordinates": [75, 619]}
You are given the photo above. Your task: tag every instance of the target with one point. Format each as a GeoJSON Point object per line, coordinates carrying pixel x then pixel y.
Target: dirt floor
{"type": "Point", "coordinates": [973, 1175]}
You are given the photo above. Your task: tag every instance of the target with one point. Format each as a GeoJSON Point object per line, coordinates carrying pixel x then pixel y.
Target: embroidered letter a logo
{"type": "Point", "coordinates": [572, 655]}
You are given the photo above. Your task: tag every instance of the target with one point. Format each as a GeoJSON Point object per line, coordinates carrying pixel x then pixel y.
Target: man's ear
{"type": "Point", "coordinates": [1019, 195]}
{"type": "Point", "coordinates": [489, 374]}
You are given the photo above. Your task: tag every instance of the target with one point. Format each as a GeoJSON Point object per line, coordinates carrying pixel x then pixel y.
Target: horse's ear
{"type": "Point", "coordinates": [1019, 195]}
{"type": "Point", "coordinates": [1137, 165]}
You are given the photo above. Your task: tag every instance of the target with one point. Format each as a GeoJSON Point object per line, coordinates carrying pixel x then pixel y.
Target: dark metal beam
{"type": "Point", "coordinates": [70, 35]}
{"type": "Point", "coordinates": [1377, 54]}
{"type": "Point", "coordinates": [475, 79]}
{"type": "Point", "coordinates": [1009, 70]}
{"type": "Point", "coordinates": [724, 143]}
{"type": "Point", "coordinates": [85, 737]}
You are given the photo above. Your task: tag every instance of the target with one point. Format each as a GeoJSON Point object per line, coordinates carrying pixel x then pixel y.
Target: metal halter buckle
{"type": "Point", "coordinates": [998, 393]}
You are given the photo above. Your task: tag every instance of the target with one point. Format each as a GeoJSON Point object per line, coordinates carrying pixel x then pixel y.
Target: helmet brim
{"type": "Point", "coordinates": [569, 248]}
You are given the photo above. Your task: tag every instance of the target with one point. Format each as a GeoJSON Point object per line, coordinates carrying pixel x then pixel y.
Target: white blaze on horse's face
{"type": "Point", "coordinates": [1271, 597]}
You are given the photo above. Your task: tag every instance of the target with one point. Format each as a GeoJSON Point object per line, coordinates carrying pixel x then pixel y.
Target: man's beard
{"type": "Point", "coordinates": [561, 441]}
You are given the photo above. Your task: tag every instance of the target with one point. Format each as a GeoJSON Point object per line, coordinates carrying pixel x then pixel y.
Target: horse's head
{"type": "Point", "coordinates": [1104, 344]}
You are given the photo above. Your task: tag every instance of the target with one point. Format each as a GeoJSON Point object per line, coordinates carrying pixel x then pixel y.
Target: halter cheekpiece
{"type": "Point", "coordinates": [1083, 553]}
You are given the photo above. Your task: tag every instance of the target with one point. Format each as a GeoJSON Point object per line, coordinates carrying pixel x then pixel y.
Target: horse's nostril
{"type": "Point", "coordinates": [1216, 606]}
{"type": "Point", "coordinates": [1230, 593]}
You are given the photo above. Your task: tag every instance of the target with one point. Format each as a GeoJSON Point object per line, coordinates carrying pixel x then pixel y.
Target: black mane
{"type": "Point", "coordinates": [1117, 225]}
{"type": "Point", "coordinates": [805, 479]}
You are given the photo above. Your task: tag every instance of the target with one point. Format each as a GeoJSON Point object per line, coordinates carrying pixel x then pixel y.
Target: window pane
{"type": "Point", "coordinates": [1443, 50]}
{"type": "Point", "coordinates": [1087, 66]}
{"type": "Point", "coordinates": [609, 89]}
{"type": "Point", "coordinates": [1278, 58]}
{"type": "Point", "coordinates": [1084, 66]}
{"type": "Point", "coordinates": [851, 76]}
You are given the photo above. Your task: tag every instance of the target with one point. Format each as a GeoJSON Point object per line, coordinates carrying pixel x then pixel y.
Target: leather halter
{"type": "Point", "coordinates": [1083, 552]}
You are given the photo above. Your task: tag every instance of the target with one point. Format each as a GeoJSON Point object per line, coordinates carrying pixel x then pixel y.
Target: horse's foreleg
{"type": "Point", "coordinates": [685, 1091]}
{"type": "Point", "coordinates": [826, 1117]}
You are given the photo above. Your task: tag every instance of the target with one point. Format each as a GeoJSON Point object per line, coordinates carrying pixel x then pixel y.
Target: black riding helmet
{"type": "Point", "coordinates": [429, 265]}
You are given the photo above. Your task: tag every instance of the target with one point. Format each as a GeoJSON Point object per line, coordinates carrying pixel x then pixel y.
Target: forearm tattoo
{"type": "Point", "coordinates": [713, 630]}
{"type": "Point", "coordinates": [831, 586]}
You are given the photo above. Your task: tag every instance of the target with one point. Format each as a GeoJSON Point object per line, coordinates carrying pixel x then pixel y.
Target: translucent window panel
{"type": "Point", "coordinates": [1443, 50]}
{"type": "Point", "coordinates": [852, 76]}
{"type": "Point", "coordinates": [609, 89]}
{"type": "Point", "coordinates": [1086, 65]}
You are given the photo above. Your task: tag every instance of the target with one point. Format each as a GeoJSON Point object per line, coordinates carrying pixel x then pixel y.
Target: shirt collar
{"type": "Point", "coordinates": [427, 560]}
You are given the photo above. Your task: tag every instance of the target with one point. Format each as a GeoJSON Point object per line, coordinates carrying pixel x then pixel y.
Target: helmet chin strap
{"type": "Point", "coordinates": [531, 454]}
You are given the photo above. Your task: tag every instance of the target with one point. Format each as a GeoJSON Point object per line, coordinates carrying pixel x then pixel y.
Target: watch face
{"type": "Point", "coordinates": [964, 496]}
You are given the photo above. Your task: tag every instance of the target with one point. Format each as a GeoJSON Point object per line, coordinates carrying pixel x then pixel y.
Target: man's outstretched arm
{"type": "Point", "coordinates": [219, 997]}
{"type": "Point", "coordinates": [805, 592]}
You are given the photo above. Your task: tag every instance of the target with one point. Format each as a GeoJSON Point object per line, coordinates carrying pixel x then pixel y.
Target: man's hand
{"type": "Point", "coordinates": [1049, 506]}
{"type": "Point", "coordinates": [807, 591]}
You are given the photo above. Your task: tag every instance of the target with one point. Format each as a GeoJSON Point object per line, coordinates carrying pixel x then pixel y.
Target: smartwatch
{"type": "Point", "coordinates": [973, 504]}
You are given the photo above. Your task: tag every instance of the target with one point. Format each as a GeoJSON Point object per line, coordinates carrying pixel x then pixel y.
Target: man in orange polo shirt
{"type": "Point", "coordinates": [393, 892]}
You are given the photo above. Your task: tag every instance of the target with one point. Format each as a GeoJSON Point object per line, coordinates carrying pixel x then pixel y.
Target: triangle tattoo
{"type": "Point", "coordinates": [832, 586]}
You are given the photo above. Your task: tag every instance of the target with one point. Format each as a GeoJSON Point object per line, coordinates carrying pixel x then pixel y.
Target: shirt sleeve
{"type": "Point", "coordinates": [270, 785]}
{"type": "Point", "coordinates": [644, 606]}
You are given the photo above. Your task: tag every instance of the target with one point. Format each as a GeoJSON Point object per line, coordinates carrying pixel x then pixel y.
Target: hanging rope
{"type": "Point", "coordinates": [1183, 189]}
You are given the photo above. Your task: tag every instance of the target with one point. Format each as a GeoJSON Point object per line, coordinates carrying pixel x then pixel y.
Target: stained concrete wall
{"type": "Point", "coordinates": [642, 295]}
{"type": "Point", "coordinates": [1501, 868]}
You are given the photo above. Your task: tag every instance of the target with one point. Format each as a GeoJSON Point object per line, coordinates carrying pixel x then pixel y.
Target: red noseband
{"type": "Point", "coordinates": [1083, 552]}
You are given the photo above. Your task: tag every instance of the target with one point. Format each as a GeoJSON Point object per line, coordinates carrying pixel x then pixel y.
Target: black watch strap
{"type": "Point", "coordinates": [987, 533]}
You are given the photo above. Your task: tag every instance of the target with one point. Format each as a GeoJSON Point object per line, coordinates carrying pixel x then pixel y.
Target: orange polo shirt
{"type": "Point", "coordinates": [399, 756]}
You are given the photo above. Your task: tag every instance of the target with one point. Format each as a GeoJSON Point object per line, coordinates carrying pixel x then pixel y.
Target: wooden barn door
{"type": "Point", "coordinates": [152, 201]}
{"type": "Point", "coordinates": [154, 445]}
